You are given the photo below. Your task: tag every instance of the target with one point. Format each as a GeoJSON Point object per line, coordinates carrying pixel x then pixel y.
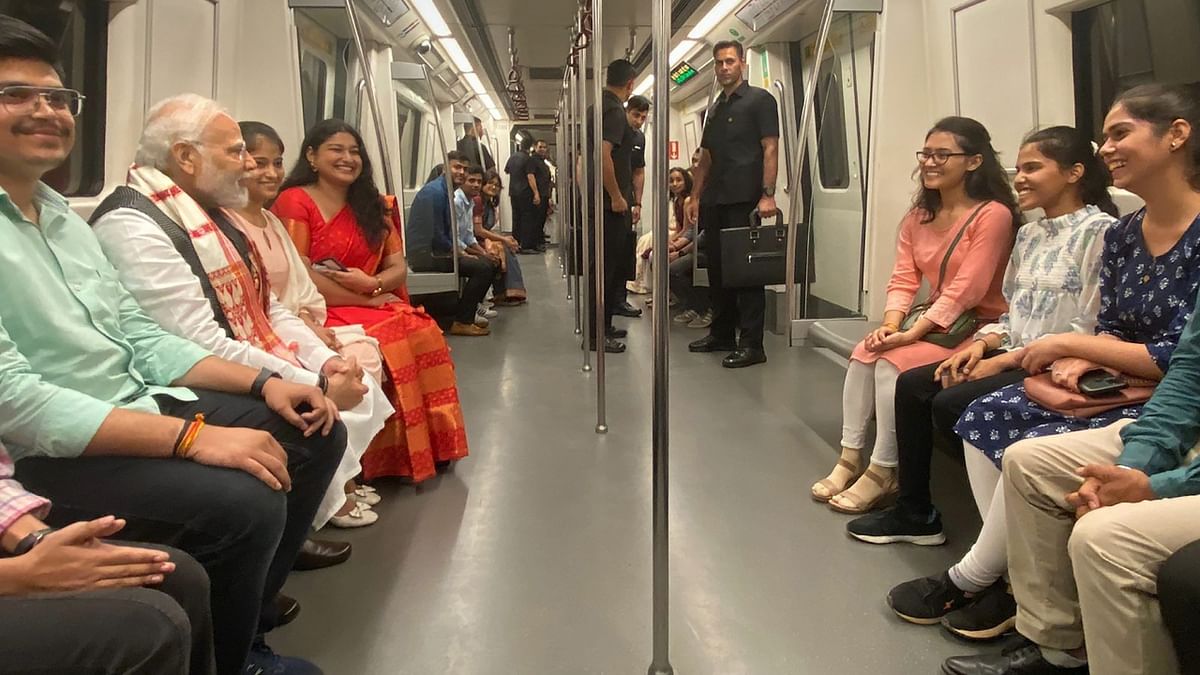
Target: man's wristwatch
{"type": "Point", "coordinates": [30, 540]}
{"type": "Point", "coordinates": [265, 374]}
{"type": "Point", "coordinates": [768, 191]}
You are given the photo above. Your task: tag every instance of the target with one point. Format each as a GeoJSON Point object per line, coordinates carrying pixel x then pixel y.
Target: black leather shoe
{"type": "Point", "coordinates": [616, 333]}
{"type": "Point", "coordinates": [1023, 658]}
{"type": "Point", "coordinates": [709, 343]}
{"type": "Point", "coordinates": [318, 553]}
{"type": "Point", "coordinates": [626, 309]}
{"type": "Point", "coordinates": [611, 346]}
{"type": "Point", "coordinates": [286, 609]}
{"type": "Point", "coordinates": [743, 357]}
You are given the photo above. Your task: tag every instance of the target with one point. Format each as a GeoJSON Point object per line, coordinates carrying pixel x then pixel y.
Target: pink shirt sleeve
{"type": "Point", "coordinates": [906, 278]}
{"type": "Point", "coordinates": [985, 244]}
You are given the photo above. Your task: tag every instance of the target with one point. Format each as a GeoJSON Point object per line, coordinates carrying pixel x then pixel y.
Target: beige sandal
{"type": "Point", "coordinates": [888, 488]}
{"type": "Point", "coordinates": [833, 488]}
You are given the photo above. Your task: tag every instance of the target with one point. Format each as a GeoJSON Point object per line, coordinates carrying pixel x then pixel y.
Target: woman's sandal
{"type": "Point", "coordinates": [854, 505]}
{"type": "Point", "coordinates": [833, 488]}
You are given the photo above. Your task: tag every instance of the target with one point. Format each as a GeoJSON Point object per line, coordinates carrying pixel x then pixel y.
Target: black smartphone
{"type": "Point", "coordinates": [329, 264]}
{"type": "Point", "coordinates": [1100, 383]}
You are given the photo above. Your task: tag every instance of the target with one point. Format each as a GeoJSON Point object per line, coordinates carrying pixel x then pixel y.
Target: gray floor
{"type": "Point", "coordinates": [533, 556]}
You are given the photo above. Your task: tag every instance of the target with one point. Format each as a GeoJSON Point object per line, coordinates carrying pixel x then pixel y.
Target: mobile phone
{"type": "Point", "coordinates": [329, 264]}
{"type": "Point", "coordinates": [1100, 383]}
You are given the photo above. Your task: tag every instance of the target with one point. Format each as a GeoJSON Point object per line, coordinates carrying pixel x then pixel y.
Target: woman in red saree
{"type": "Point", "coordinates": [350, 235]}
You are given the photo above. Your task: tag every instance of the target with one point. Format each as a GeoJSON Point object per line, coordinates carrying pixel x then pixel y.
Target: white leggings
{"type": "Point", "coordinates": [870, 390]}
{"type": "Point", "coordinates": [987, 560]}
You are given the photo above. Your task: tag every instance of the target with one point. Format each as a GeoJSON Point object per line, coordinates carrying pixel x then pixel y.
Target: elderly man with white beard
{"type": "Point", "coordinates": [200, 278]}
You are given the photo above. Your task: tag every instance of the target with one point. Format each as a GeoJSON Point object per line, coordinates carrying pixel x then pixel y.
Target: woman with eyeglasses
{"type": "Point", "coordinates": [961, 223]}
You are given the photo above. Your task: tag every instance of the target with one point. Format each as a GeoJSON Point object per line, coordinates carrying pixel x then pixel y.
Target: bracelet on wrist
{"type": "Point", "coordinates": [378, 288]}
{"type": "Point", "coordinates": [188, 436]}
{"type": "Point", "coordinates": [889, 324]}
{"type": "Point", "coordinates": [323, 383]}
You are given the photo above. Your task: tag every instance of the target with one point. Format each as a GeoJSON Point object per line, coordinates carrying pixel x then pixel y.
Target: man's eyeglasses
{"type": "Point", "coordinates": [20, 98]}
{"type": "Point", "coordinates": [939, 157]}
{"type": "Point", "coordinates": [238, 151]}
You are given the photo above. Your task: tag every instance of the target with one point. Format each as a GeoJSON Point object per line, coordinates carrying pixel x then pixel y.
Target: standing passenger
{"type": "Point", "coordinates": [739, 161]}
{"type": "Point", "coordinates": [616, 176]}
{"type": "Point", "coordinates": [537, 174]}
{"type": "Point", "coordinates": [636, 111]}
{"type": "Point", "coordinates": [519, 195]}
{"type": "Point", "coordinates": [471, 144]}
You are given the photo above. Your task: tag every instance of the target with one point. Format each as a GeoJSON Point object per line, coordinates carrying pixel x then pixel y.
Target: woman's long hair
{"type": "Point", "coordinates": [489, 176]}
{"type": "Point", "coordinates": [1161, 105]}
{"type": "Point", "coordinates": [677, 200]}
{"type": "Point", "coordinates": [987, 183]}
{"type": "Point", "coordinates": [363, 197]}
{"type": "Point", "coordinates": [1068, 146]}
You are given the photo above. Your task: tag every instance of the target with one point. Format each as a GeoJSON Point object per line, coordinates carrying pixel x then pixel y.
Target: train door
{"type": "Point", "coordinates": [836, 163]}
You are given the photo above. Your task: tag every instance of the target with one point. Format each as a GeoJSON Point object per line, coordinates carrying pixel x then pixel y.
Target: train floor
{"type": "Point", "coordinates": [533, 555]}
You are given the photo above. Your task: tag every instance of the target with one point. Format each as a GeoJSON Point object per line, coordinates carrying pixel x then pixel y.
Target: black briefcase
{"type": "Point", "coordinates": [757, 255]}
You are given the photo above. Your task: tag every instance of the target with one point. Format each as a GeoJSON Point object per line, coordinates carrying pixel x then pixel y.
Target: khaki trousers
{"type": "Point", "coordinates": [1096, 576]}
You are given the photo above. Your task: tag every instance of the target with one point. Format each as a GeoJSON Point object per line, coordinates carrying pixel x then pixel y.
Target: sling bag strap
{"type": "Point", "coordinates": [125, 197]}
{"type": "Point", "coordinates": [953, 244]}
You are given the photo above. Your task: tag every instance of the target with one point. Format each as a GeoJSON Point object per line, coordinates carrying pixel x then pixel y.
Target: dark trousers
{"type": "Point", "coordinates": [734, 309]}
{"type": "Point", "coordinates": [613, 233]}
{"type": "Point", "coordinates": [923, 406]}
{"type": "Point", "coordinates": [1179, 597]}
{"type": "Point", "coordinates": [245, 534]}
{"type": "Point", "coordinates": [681, 276]}
{"type": "Point", "coordinates": [161, 630]}
{"type": "Point", "coordinates": [527, 228]}
{"type": "Point", "coordinates": [479, 274]}
{"type": "Point", "coordinates": [627, 269]}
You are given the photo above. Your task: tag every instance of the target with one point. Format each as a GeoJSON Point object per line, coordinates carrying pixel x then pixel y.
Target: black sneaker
{"type": "Point", "coordinates": [1022, 658]}
{"type": "Point", "coordinates": [925, 601]}
{"type": "Point", "coordinates": [897, 525]}
{"type": "Point", "coordinates": [990, 615]}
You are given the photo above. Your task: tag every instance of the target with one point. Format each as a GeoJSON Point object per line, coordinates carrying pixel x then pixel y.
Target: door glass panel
{"type": "Point", "coordinates": [325, 48]}
{"type": "Point", "coordinates": [832, 154]}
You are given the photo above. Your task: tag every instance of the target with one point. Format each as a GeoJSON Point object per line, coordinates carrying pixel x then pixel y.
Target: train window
{"type": "Point", "coordinates": [410, 120]}
{"type": "Point", "coordinates": [832, 158]}
{"type": "Point", "coordinates": [314, 78]}
{"type": "Point", "coordinates": [81, 30]}
{"type": "Point", "coordinates": [1123, 43]}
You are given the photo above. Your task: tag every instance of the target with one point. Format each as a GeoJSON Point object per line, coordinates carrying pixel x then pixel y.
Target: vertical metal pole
{"type": "Point", "coordinates": [661, 325]}
{"type": "Point", "coordinates": [598, 225]}
{"type": "Point", "coordinates": [797, 163]}
{"type": "Point", "coordinates": [376, 116]}
{"type": "Point", "coordinates": [573, 215]}
{"type": "Point", "coordinates": [584, 183]}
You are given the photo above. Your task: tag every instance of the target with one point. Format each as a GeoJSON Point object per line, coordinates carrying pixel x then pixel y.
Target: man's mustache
{"type": "Point", "coordinates": [41, 128]}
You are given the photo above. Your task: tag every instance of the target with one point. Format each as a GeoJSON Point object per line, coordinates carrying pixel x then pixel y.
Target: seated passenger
{"type": "Point", "coordinates": [679, 183]}
{"type": "Point", "coordinates": [1150, 275]}
{"type": "Point", "coordinates": [957, 237]}
{"type": "Point", "coordinates": [71, 602]}
{"type": "Point", "coordinates": [107, 413]}
{"type": "Point", "coordinates": [509, 288]}
{"type": "Point", "coordinates": [1179, 599]}
{"type": "Point", "coordinates": [1052, 286]}
{"type": "Point", "coordinates": [430, 232]}
{"type": "Point", "coordinates": [337, 217]}
{"type": "Point", "coordinates": [696, 306]}
{"type": "Point", "coordinates": [190, 301]}
{"type": "Point", "coordinates": [464, 218]}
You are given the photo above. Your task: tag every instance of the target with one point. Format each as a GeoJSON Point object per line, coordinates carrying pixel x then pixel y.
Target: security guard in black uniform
{"type": "Point", "coordinates": [739, 162]}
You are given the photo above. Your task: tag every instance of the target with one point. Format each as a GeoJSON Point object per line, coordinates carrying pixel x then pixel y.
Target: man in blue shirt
{"type": "Point", "coordinates": [1092, 516]}
{"type": "Point", "coordinates": [430, 248]}
{"type": "Point", "coordinates": [106, 413]}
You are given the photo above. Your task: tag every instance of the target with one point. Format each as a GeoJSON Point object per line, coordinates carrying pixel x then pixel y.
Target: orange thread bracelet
{"type": "Point", "coordinates": [189, 436]}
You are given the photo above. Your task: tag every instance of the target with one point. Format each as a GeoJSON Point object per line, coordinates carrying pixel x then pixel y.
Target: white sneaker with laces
{"type": "Point", "coordinates": [686, 317]}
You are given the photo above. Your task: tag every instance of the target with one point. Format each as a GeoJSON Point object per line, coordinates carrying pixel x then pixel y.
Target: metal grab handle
{"type": "Point", "coordinates": [810, 90]}
{"type": "Point", "coordinates": [376, 115]}
{"type": "Point", "coordinates": [787, 134]}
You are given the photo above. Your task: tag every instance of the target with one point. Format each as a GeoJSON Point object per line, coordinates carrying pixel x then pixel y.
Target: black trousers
{"type": "Point", "coordinates": [527, 227]}
{"type": "Point", "coordinates": [245, 534]}
{"type": "Point", "coordinates": [614, 230]}
{"type": "Point", "coordinates": [734, 309]}
{"type": "Point", "coordinates": [160, 630]}
{"type": "Point", "coordinates": [681, 278]}
{"type": "Point", "coordinates": [479, 274]}
{"type": "Point", "coordinates": [1179, 598]}
{"type": "Point", "coordinates": [924, 408]}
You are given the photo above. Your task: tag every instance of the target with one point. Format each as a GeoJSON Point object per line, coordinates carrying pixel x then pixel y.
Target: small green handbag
{"type": "Point", "coordinates": [966, 324]}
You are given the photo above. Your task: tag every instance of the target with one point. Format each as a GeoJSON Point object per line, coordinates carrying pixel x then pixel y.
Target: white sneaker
{"type": "Point", "coordinates": [481, 321]}
{"type": "Point", "coordinates": [686, 317]}
{"type": "Point", "coordinates": [358, 517]}
{"type": "Point", "coordinates": [702, 321]}
{"type": "Point", "coordinates": [487, 313]}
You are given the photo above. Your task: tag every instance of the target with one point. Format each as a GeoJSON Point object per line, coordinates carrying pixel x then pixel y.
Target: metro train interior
{"type": "Point", "coordinates": [534, 553]}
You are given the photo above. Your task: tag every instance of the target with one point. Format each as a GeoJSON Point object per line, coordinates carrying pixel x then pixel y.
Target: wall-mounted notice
{"type": "Point", "coordinates": [758, 13]}
{"type": "Point", "coordinates": [388, 11]}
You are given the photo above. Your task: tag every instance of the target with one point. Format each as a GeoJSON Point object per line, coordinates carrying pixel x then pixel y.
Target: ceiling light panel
{"type": "Point", "coordinates": [681, 51]}
{"type": "Point", "coordinates": [457, 56]}
{"type": "Point", "coordinates": [715, 16]}
{"type": "Point", "coordinates": [432, 17]}
{"type": "Point", "coordinates": [476, 83]}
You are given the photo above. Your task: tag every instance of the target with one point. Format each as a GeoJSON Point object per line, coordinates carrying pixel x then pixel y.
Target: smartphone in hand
{"type": "Point", "coordinates": [329, 265]}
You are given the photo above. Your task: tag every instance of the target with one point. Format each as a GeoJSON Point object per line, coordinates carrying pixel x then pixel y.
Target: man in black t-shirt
{"type": "Point", "coordinates": [519, 194]}
{"type": "Point", "coordinates": [471, 145]}
{"type": "Point", "coordinates": [537, 175]}
{"type": "Point", "coordinates": [636, 111]}
{"type": "Point", "coordinates": [739, 162]}
{"type": "Point", "coordinates": [616, 178]}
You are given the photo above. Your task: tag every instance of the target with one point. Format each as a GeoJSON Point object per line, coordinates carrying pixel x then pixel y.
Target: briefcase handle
{"type": "Point", "coordinates": [756, 218]}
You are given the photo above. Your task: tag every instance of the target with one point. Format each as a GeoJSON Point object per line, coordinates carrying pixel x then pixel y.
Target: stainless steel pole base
{"type": "Point", "coordinates": [602, 428]}
{"type": "Point", "coordinates": [661, 670]}
{"type": "Point", "coordinates": [587, 367]}
{"type": "Point", "coordinates": [578, 331]}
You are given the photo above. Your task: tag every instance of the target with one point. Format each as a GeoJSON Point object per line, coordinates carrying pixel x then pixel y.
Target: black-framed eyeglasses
{"type": "Point", "coordinates": [940, 157]}
{"type": "Point", "coordinates": [21, 98]}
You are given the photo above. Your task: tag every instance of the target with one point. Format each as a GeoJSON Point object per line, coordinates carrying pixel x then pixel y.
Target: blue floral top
{"type": "Point", "coordinates": [1143, 299]}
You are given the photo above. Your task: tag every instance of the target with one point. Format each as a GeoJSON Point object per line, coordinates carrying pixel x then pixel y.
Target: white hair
{"type": "Point", "coordinates": [181, 118]}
